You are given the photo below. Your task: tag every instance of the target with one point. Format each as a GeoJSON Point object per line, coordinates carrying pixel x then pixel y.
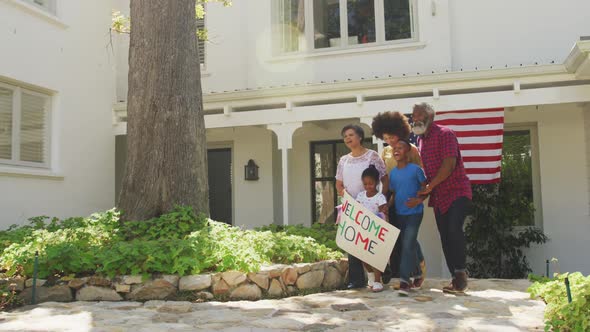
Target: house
{"type": "Point", "coordinates": [282, 80]}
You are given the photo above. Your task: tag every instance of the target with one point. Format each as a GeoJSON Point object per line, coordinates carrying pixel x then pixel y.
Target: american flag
{"type": "Point", "coordinates": [480, 134]}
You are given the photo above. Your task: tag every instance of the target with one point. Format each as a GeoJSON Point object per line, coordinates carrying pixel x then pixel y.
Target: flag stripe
{"type": "Point", "coordinates": [472, 121]}
{"type": "Point", "coordinates": [480, 134]}
{"type": "Point", "coordinates": [472, 111]}
{"type": "Point", "coordinates": [481, 158]}
{"type": "Point", "coordinates": [481, 139]}
{"type": "Point", "coordinates": [495, 126]}
{"type": "Point", "coordinates": [453, 116]}
{"type": "Point", "coordinates": [485, 164]}
{"type": "Point", "coordinates": [484, 146]}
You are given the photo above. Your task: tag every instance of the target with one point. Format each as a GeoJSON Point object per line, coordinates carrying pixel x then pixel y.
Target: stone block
{"type": "Point", "coordinates": [260, 279]}
{"type": "Point", "coordinates": [121, 288]}
{"type": "Point", "coordinates": [289, 276]}
{"type": "Point", "coordinates": [153, 290]}
{"type": "Point", "coordinates": [130, 280]}
{"type": "Point", "coordinates": [220, 287]}
{"type": "Point", "coordinates": [94, 293]}
{"type": "Point", "coordinates": [233, 278]}
{"type": "Point", "coordinates": [332, 278]}
{"type": "Point", "coordinates": [312, 279]}
{"type": "Point", "coordinates": [77, 283]}
{"type": "Point", "coordinates": [40, 282]}
{"type": "Point", "coordinates": [276, 289]}
{"type": "Point", "coordinates": [195, 282]}
{"type": "Point", "coordinates": [246, 292]}
{"type": "Point", "coordinates": [60, 293]}
{"type": "Point", "coordinates": [98, 281]}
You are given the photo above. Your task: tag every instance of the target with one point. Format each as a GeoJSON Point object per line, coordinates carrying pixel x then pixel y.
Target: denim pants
{"type": "Point", "coordinates": [409, 225]}
{"type": "Point", "coordinates": [450, 228]}
{"type": "Point", "coordinates": [396, 254]}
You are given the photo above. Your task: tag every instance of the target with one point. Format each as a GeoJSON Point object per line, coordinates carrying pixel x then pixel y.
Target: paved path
{"type": "Point", "coordinates": [491, 305]}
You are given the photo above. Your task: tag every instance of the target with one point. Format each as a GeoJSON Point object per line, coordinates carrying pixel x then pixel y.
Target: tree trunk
{"type": "Point", "coordinates": [166, 145]}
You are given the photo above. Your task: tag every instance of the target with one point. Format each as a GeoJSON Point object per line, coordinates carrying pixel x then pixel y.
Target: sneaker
{"type": "Point", "coordinates": [461, 281]}
{"type": "Point", "coordinates": [377, 287]}
{"type": "Point", "coordinates": [370, 279]}
{"type": "Point", "coordinates": [417, 284]}
{"type": "Point", "coordinates": [450, 288]}
{"type": "Point", "coordinates": [404, 289]}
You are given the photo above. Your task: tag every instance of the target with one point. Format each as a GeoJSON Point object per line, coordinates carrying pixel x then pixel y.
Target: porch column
{"type": "Point", "coordinates": [284, 132]}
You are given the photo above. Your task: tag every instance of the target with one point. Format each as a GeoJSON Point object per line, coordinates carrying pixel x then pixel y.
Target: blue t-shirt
{"type": "Point", "coordinates": [405, 183]}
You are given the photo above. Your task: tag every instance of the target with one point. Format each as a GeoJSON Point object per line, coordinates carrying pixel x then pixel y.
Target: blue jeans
{"type": "Point", "coordinates": [409, 225]}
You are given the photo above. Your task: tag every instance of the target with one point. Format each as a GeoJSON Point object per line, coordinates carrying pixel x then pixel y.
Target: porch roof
{"type": "Point", "coordinates": [508, 86]}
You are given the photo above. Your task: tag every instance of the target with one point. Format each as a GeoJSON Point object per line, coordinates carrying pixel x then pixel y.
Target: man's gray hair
{"type": "Point", "coordinates": [425, 107]}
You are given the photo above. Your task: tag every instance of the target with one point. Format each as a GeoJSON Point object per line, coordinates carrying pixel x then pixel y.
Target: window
{"type": "Point", "coordinates": [46, 5]}
{"type": "Point", "coordinates": [303, 25]}
{"type": "Point", "coordinates": [24, 130]}
{"type": "Point", "coordinates": [201, 26]}
{"type": "Point", "coordinates": [520, 173]}
{"type": "Point", "coordinates": [324, 160]}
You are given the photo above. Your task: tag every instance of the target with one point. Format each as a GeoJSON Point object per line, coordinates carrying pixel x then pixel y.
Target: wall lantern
{"type": "Point", "coordinates": [251, 170]}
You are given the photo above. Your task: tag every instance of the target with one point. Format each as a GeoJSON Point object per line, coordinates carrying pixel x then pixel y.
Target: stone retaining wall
{"type": "Point", "coordinates": [274, 281]}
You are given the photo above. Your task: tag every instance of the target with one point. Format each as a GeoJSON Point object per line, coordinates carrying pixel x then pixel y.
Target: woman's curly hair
{"type": "Point", "coordinates": [391, 123]}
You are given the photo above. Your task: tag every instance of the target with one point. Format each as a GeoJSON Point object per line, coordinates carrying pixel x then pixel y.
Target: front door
{"type": "Point", "coordinates": [220, 184]}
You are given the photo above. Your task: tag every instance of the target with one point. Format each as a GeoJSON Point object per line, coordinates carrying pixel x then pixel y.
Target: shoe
{"type": "Point", "coordinates": [352, 285]}
{"type": "Point", "coordinates": [450, 288]}
{"type": "Point", "coordinates": [417, 284]}
{"type": "Point", "coordinates": [461, 281]}
{"type": "Point", "coordinates": [404, 289]}
{"type": "Point", "coordinates": [370, 279]}
{"type": "Point", "coordinates": [377, 287]}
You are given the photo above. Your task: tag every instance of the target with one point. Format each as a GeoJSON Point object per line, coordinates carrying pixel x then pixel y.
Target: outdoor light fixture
{"type": "Point", "coordinates": [251, 170]}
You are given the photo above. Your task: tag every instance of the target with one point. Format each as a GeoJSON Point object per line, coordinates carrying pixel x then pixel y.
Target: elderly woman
{"type": "Point", "coordinates": [348, 177]}
{"type": "Point", "coordinates": [391, 127]}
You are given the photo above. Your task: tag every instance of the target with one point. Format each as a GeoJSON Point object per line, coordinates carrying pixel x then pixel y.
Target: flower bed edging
{"type": "Point", "coordinates": [276, 281]}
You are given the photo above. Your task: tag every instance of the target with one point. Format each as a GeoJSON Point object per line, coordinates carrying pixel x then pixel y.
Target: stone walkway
{"type": "Point", "coordinates": [490, 305]}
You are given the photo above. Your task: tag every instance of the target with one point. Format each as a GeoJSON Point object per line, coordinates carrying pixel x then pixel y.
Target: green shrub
{"type": "Point", "coordinates": [560, 315]}
{"type": "Point", "coordinates": [179, 242]}
{"type": "Point", "coordinates": [322, 233]}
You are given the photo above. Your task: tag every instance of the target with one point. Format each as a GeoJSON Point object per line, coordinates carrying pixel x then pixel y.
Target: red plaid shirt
{"type": "Point", "coordinates": [439, 143]}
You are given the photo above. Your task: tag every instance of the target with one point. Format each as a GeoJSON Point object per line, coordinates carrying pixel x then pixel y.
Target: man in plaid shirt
{"type": "Point", "coordinates": [448, 187]}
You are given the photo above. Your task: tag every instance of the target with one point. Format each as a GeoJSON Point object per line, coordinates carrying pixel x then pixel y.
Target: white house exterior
{"type": "Point", "coordinates": [279, 87]}
{"type": "Point", "coordinates": [56, 94]}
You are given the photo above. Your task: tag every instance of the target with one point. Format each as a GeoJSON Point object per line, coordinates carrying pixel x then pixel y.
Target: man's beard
{"type": "Point", "coordinates": [419, 127]}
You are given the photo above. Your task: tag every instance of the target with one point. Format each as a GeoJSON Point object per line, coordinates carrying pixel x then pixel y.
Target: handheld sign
{"type": "Point", "coordinates": [364, 235]}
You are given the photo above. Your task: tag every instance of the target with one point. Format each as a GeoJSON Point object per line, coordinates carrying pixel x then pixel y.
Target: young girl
{"type": "Point", "coordinates": [405, 180]}
{"type": "Point", "coordinates": [377, 203]}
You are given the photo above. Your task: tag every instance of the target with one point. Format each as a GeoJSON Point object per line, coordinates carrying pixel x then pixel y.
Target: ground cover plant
{"type": "Point", "coordinates": [560, 314]}
{"type": "Point", "coordinates": [179, 242]}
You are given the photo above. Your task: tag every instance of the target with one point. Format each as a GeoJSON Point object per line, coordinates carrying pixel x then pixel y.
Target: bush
{"type": "Point", "coordinates": [179, 242]}
{"type": "Point", "coordinates": [322, 233]}
{"type": "Point", "coordinates": [560, 315]}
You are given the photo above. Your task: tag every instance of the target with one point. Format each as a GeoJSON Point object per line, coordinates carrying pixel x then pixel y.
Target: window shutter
{"type": "Point", "coordinates": [33, 128]}
{"type": "Point", "coordinates": [201, 43]}
{"type": "Point", "coordinates": [5, 123]}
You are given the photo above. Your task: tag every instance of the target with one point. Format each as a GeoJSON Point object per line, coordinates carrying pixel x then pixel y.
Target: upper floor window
{"type": "Point", "coordinates": [24, 127]}
{"type": "Point", "coordinates": [201, 26]}
{"type": "Point", "coordinates": [46, 5]}
{"type": "Point", "coordinates": [302, 25]}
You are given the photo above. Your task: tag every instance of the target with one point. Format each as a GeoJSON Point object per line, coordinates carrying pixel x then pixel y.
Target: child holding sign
{"type": "Point", "coordinates": [405, 180]}
{"type": "Point", "coordinates": [377, 203]}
